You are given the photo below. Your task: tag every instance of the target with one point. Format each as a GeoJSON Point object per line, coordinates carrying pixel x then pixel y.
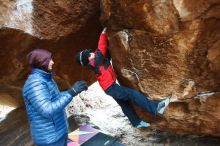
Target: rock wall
{"type": "Point", "coordinates": [169, 48]}
{"type": "Point", "coordinates": [15, 129]}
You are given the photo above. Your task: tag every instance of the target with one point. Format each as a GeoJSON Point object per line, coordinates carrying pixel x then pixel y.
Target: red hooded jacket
{"type": "Point", "coordinates": [101, 64]}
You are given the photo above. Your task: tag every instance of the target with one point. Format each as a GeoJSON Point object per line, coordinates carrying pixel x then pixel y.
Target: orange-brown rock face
{"type": "Point", "coordinates": [63, 27]}
{"type": "Point", "coordinates": [170, 48]}
{"type": "Point", "coordinates": [48, 20]}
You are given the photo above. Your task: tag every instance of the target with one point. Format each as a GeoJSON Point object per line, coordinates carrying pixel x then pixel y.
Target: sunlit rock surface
{"type": "Point", "coordinates": [47, 20]}
{"type": "Point", "coordinates": [169, 48]}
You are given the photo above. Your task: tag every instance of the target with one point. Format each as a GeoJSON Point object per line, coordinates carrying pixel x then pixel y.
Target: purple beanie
{"type": "Point", "coordinates": [39, 58]}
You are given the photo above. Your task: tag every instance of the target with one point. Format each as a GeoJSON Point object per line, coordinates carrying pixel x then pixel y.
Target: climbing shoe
{"type": "Point", "coordinates": [162, 105]}
{"type": "Point", "coordinates": [143, 124]}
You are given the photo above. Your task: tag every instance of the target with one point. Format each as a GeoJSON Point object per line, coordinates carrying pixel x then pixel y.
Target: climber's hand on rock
{"type": "Point", "coordinates": [104, 30]}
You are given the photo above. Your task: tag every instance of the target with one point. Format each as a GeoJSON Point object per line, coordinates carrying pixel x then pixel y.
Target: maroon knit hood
{"type": "Point", "coordinates": [39, 58]}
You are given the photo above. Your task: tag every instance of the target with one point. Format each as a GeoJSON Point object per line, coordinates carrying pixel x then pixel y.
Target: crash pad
{"type": "Point", "coordinates": [86, 135]}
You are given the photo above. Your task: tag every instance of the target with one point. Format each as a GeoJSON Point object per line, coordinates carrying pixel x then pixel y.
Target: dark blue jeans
{"type": "Point", "coordinates": [61, 142]}
{"type": "Point", "coordinates": [124, 96]}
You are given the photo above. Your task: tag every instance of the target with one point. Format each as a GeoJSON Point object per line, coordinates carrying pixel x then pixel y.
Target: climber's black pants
{"type": "Point", "coordinates": [124, 96]}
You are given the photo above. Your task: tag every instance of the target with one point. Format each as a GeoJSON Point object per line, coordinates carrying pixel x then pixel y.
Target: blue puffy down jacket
{"type": "Point", "coordinates": [45, 106]}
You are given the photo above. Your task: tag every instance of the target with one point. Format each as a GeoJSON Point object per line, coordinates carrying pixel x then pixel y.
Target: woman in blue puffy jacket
{"type": "Point", "coordinates": [45, 104]}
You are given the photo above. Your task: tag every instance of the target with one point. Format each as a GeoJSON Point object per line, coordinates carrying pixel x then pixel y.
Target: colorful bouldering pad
{"type": "Point", "coordinates": [86, 135]}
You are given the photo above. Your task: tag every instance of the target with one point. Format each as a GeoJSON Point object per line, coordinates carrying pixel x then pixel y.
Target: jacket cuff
{"type": "Point", "coordinates": [71, 92]}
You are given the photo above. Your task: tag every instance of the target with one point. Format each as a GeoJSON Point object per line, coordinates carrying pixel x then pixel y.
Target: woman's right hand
{"type": "Point", "coordinates": [78, 87]}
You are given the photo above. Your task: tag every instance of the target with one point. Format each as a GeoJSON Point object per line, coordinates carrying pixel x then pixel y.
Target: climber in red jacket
{"type": "Point", "coordinates": [99, 63]}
